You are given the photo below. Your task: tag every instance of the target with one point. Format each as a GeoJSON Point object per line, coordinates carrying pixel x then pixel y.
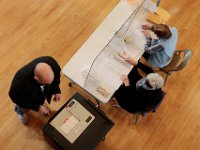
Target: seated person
{"type": "Point", "coordinates": [139, 93]}
{"type": "Point", "coordinates": [160, 51]}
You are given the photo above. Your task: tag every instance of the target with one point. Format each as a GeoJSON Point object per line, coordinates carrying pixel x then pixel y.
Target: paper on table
{"type": "Point", "coordinates": [69, 124]}
{"type": "Point", "coordinates": [134, 47]}
{"type": "Point", "coordinates": [112, 70]}
{"type": "Point", "coordinates": [90, 80]}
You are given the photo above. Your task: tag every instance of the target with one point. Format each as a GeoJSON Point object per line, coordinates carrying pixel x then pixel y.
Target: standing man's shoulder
{"type": "Point", "coordinates": [47, 59]}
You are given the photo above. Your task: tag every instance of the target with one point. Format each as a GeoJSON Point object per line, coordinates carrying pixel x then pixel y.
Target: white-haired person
{"type": "Point", "coordinates": [137, 92]}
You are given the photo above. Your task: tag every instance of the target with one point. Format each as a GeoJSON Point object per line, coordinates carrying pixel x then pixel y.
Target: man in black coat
{"type": "Point", "coordinates": [33, 83]}
{"type": "Point", "coordinates": [139, 93]}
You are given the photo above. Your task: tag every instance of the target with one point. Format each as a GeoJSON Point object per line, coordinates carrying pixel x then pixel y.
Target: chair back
{"type": "Point", "coordinates": [155, 107]}
{"type": "Point", "coordinates": [178, 63]}
{"type": "Point", "coordinates": [186, 58]}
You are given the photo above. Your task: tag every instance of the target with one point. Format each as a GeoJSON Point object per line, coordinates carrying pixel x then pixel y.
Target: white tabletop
{"type": "Point", "coordinates": [91, 56]}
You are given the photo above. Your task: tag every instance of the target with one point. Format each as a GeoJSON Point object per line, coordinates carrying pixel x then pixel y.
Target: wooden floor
{"type": "Point", "coordinates": [32, 28]}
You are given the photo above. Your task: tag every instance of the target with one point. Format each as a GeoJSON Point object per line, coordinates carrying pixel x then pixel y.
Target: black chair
{"type": "Point", "coordinates": [151, 109]}
{"type": "Point", "coordinates": [143, 113]}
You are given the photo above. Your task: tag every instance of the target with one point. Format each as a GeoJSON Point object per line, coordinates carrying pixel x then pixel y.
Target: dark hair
{"type": "Point", "coordinates": [162, 31]}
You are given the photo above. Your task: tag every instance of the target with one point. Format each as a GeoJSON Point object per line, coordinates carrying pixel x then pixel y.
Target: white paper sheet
{"type": "Point", "coordinates": [69, 124]}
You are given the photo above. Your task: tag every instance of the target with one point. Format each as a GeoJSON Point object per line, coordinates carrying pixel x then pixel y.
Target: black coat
{"type": "Point", "coordinates": [25, 91]}
{"type": "Point", "coordinates": [134, 100]}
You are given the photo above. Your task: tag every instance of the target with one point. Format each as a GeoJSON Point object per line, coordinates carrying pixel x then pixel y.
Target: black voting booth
{"type": "Point", "coordinates": [89, 138]}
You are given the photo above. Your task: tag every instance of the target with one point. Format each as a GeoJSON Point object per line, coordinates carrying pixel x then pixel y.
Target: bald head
{"type": "Point", "coordinates": [43, 73]}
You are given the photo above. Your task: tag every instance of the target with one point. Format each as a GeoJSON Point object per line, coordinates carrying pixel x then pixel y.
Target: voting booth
{"type": "Point", "coordinates": [78, 124]}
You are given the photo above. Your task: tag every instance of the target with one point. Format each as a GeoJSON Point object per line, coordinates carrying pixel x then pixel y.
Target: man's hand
{"type": "Point", "coordinates": [125, 80]}
{"type": "Point", "coordinates": [44, 110]}
{"type": "Point", "coordinates": [56, 97]}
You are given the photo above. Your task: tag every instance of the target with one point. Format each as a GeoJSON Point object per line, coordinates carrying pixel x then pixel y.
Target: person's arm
{"type": "Point", "coordinates": [27, 105]}
{"type": "Point", "coordinates": [22, 98]}
{"type": "Point", "coordinates": [128, 58]}
{"type": "Point", "coordinates": [148, 27]}
{"type": "Point", "coordinates": [125, 80]}
{"type": "Point", "coordinates": [146, 69]}
{"type": "Point", "coordinates": [153, 46]}
{"type": "Point", "coordinates": [148, 42]}
{"type": "Point", "coordinates": [148, 38]}
{"type": "Point", "coordinates": [131, 61]}
{"type": "Point", "coordinates": [43, 109]}
{"type": "Point", "coordinates": [55, 86]}
{"type": "Point", "coordinates": [55, 89]}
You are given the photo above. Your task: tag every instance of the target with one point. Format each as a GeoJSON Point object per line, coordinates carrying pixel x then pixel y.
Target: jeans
{"type": "Point", "coordinates": [19, 110]}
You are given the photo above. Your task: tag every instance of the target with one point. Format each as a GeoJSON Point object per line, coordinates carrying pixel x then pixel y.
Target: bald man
{"type": "Point", "coordinates": [33, 83]}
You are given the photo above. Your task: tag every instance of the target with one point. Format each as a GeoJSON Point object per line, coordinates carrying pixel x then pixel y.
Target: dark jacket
{"type": "Point", "coordinates": [26, 92]}
{"type": "Point", "coordinates": [134, 100]}
{"type": "Point", "coordinates": [137, 100]}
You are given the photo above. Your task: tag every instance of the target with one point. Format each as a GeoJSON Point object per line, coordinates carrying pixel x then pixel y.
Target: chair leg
{"type": "Point", "coordinates": [166, 77]}
{"type": "Point", "coordinates": [71, 83]}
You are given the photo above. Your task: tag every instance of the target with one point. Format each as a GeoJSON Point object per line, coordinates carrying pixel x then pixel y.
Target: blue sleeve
{"type": "Point", "coordinates": [148, 42]}
{"type": "Point", "coordinates": [153, 46]}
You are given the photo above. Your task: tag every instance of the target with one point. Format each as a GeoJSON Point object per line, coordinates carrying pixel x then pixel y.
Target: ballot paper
{"type": "Point", "coordinates": [69, 124]}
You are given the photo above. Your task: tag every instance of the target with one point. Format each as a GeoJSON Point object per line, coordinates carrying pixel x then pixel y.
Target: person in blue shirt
{"type": "Point", "coordinates": [159, 51]}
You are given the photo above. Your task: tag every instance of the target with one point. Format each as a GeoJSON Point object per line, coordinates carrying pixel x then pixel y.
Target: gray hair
{"type": "Point", "coordinates": [155, 80]}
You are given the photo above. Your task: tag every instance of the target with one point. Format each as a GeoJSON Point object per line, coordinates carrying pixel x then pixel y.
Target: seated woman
{"type": "Point", "coordinates": [139, 93]}
{"type": "Point", "coordinates": [159, 51]}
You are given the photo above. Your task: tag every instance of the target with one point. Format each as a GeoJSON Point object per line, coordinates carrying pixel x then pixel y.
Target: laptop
{"type": "Point", "coordinates": [72, 120]}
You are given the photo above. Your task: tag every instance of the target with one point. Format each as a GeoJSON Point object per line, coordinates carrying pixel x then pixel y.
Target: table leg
{"type": "Point", "coordinates": [71, 83]}
{"type": "Point", "coordinates": [98, 104]}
